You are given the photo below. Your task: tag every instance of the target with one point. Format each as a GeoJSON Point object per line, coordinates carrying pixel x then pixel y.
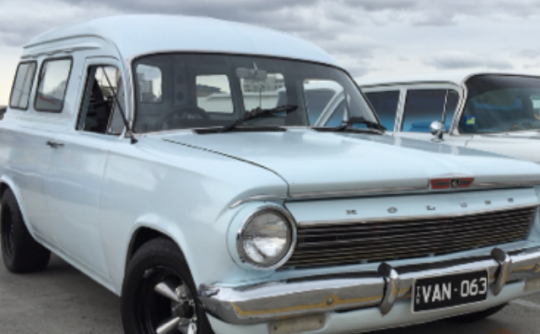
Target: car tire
{"type": "Point", "coordinates": [477, 316]}
{"type": "Point", "coordinates": [20, 252]}
{"type": "Point", "coordinates": [158, 289]}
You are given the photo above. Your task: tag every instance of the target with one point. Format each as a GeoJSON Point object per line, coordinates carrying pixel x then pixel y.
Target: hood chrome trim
{"type": "Point", "coordinates": [382, 191]}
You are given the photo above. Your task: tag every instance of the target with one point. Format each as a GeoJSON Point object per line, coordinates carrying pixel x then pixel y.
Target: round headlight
{"type": "Point", "coordinates": [266, 240]}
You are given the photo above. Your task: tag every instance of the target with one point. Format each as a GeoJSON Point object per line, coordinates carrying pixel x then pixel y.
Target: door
{"type": "Point", "coordinates": [40, 116]}
{"type": "Point", "coordinates": [78, 163]}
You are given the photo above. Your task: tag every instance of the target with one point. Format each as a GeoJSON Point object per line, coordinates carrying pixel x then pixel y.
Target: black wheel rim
{"type": "Point", "coordinates": [165, 303]}
{"type": "Point", "coordinates": [7, 231]}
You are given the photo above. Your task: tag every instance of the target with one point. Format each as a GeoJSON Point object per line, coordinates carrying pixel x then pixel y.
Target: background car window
{"type": "Point", "coordinates": [150, 83]}
{"type": "Point", "coordinates": [320, 95]}
{"type": "Point", "coordinates": [214, 93]}
{"type": "Point", "coordinates": [423, 106]}
{"type": "Point", "coordinates": [385, 105]}
{"type": "Point", "coordinates": [264, 91]}
{"type": "Point", "coordinates": [20, 93]}
{"type": "Point", "coordinates": [53, 81]}
{"type": "Point", "coordinates": [99, 104]}
{"type": "Point", "coordinates": [501, 103]}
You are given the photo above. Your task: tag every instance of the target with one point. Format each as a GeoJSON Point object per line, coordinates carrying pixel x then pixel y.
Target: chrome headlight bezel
{"type": "Point", "coordinates": [292, 228]}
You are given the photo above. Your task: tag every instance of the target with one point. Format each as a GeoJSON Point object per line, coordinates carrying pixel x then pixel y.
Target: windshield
{"type": "Point", "coordinates": [499, 103]}
{"type": "Point", "coordinates": [186, 91]}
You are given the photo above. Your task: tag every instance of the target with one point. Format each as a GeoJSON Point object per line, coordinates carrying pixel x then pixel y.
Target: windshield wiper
{"type": "Point", "coordinates": [358, 120]}
{"type": "Point", "coordinates": [258, 113]}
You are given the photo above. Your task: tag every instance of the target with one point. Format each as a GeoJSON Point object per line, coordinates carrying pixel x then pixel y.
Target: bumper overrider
{"type": "Point", "coordinates": [259, 303]}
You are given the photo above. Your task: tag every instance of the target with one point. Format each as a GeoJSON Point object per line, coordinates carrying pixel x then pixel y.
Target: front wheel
{"type": "Point", "coordinates": [158, 295]}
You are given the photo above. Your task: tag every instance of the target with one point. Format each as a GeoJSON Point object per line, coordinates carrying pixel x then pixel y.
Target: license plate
{"type": "Point", "coordinates": [447, 291]}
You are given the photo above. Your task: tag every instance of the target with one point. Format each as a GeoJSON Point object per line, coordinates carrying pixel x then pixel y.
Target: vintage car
{"type": "Point", "coordinates": [496, 112]}
{"type": "Point", "coordinates": [127, 149]}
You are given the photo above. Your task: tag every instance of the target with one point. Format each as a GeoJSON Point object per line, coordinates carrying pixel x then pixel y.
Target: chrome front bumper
{"type": "Point", "coordinates": [318, 294]}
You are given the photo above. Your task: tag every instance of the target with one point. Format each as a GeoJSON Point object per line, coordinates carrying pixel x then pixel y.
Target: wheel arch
{"type": "Point", "coordinates": [7, 183]}
{"type": "Point", "coordinates": [141, 236]}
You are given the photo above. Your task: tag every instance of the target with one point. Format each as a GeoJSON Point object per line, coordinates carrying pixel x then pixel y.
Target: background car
{"type": "Point", "coordinates": [496, 112]}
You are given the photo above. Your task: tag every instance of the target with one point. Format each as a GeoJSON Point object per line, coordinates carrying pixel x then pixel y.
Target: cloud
{"type": "Point", "coordinates": [453, 60]}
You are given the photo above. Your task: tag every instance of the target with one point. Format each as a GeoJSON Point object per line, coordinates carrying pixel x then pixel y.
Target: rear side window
{"type": "Point", "coordinates": [424, 106]}
{"type": "Point", "coordinates": [22, 86]}
{"type": "Point", "coordinates": [53, 81]}
{"type": "Point", "coordinates": [385, 105]}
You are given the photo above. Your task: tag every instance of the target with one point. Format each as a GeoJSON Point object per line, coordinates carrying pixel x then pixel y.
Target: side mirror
{"type": "Point", "coordinates": [437, 130]}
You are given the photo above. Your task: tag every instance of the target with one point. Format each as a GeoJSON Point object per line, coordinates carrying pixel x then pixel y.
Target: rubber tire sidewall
{"type": "Point", "coordinates": [27, 254]}
{"type": "Point", "coordinates": [157, 252]}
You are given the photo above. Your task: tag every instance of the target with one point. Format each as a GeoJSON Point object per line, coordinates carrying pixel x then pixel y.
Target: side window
{"type": "Point", "coordinates": [53, 81]}
{"type": "Point", "coordinates": [22, 86]}
{"type": "Point", "coordinates": [424, 106]}
{"type": "Point", "coordinates": [321, 98]}
{"type": "Point", "coordinates": [385, 105]}
{"type": "Point", "coordinates": [214, 93]}
{"type": "Point", "coordinates": [150, 84]}
{"type": "Point", "coordinates": [99, 111]}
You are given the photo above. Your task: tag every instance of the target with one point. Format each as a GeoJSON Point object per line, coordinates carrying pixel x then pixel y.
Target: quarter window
{"type": "Point", "coordinates": [385, 105]}
{"type": "Point", "coordinates": [100, 112]}
{"type": "Point", "coordinates": [20, 93]}
{"type": "Point", "coordinates": [424, 106]}
{"type": "Point", "coordinates": [53, 81]}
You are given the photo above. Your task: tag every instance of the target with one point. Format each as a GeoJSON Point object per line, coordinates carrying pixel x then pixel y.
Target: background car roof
{"type": "Point", "coordinates": [136, 35]}
{"type": "Point", "coordinates": [455, 77]}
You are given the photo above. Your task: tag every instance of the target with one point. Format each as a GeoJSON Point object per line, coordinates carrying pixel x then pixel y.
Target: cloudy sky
{"type": "Point", "coordinates": [368, 37]}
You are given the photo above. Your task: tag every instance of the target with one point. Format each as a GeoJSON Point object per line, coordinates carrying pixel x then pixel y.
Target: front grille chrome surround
{"type": "Point", "coordinates": [354, 242]}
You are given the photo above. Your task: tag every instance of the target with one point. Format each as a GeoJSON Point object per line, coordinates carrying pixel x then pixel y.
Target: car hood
{"type": "Point", "coordinates": [316, 163]}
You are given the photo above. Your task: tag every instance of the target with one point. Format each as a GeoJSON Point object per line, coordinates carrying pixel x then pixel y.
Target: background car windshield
{"type": "Point", "coordinates": [184, 91]}
{"type": "Point", "coordinates": [499, 103]}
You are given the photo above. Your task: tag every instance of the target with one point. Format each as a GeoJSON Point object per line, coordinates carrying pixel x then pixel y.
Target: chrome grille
{"type": "Point", "coordinates": [375, 241]}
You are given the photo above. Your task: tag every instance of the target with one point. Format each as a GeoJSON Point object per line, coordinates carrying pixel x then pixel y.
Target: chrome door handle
{"type": "Point", "coordinates": [54, 144]}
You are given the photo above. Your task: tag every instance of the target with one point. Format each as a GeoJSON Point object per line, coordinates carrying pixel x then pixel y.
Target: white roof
{"type": "Point", "coordinates": [135, 35]}
{"type": "Point", "coordinates": [455, 77]}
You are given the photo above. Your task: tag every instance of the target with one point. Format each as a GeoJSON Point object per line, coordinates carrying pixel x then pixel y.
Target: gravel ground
{"type": "Point", "coordinates": [63, 300]}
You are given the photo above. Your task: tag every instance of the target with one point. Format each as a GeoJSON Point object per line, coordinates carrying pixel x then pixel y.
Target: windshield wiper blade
{"type": "Point", "coordinates": [258, 113]}
{"type": "Point", "coordinates": [359, 120]}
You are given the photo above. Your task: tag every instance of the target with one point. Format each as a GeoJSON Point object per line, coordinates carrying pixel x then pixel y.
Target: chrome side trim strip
{"type": "Point", "coordinates": [260, 303]}
{"type": "Point", "coordinates": [400, 218]}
